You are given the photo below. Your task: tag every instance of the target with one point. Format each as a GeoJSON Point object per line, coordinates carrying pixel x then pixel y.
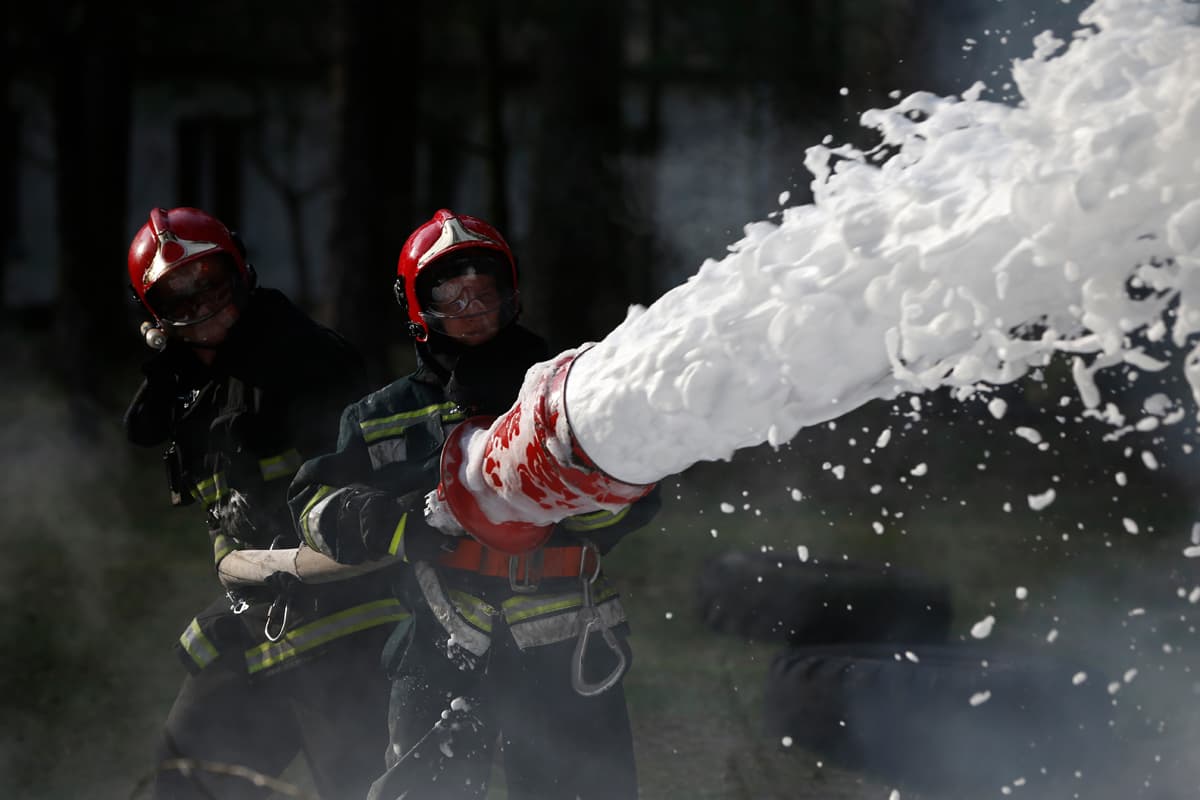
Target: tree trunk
{"type": "Point", "coordinates": [376, 83]}
{"type": "Point", "coordinates": [92, 108]}
{"type": "Point", "coordinates": [8, 176]}
{"type": "Point", "coordinates": [577, 263]}
{"type": "Point", "coordinates": [497, 138]}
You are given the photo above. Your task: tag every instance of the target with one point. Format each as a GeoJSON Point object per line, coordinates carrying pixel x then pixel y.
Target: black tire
{"type": "Point", "coordinates": [869, 707]}
{"type": "Point", "coordinates": [777, 597]}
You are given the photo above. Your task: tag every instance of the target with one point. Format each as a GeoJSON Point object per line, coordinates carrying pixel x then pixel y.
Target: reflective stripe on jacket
{"type": "Point", "coordinates": [300, 640]}
{"type": "Point", "coordinates": [202, 644]}
{"type": "Point", "coordinates": [386, 437]}
{"type": "Point", "coordinates": [534, 619]}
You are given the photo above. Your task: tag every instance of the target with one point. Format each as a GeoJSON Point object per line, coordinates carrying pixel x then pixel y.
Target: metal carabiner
{"type": "Point", "coordinates": [589, 620]}
{"type": "Point", "coordinates": [282, 625]}
{"type": "Point", "coordinates": [271, 611]}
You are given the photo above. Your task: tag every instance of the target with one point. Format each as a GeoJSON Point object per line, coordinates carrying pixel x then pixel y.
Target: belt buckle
{"type": "Point", "coordinates": [533, 566]}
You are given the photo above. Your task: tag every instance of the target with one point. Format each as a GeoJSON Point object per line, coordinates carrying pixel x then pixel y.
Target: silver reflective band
{"type": "Point", "coordinates": [469, 638]}
{"type": "Point", "coordinates": [559, 627]}
{"type": "Point", "coordinates": [388, 451]}
{"type": "Point", "coordinates": [197, 645]}
{"type": "Point", "coordinates": [310, 520]}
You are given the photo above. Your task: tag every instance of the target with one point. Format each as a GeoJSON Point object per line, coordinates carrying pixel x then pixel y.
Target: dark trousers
{"type": "Point", "coordinates": [332, 708]}
{"type": "Point", "coordinates": [555, 743]}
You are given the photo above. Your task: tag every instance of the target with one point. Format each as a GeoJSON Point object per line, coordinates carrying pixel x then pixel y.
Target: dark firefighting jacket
{"type": "Point", "coordinates": [391, 442]}
{"type": "Point", "coordinates": [241, 427]}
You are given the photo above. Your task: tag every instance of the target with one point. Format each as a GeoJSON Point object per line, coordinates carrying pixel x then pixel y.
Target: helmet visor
{"type": "Point", "coordinates": [464, 288]}
{"type": "Point", "coordinates": [195, 291]}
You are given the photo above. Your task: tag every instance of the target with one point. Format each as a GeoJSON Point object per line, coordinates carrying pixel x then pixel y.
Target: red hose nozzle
{"type": "Point", "coordinates": [528, 470]}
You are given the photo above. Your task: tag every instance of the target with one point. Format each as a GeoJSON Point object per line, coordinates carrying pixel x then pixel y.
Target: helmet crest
{"type": "Point", "coordinates": [174, 237]}
{"type": "Point", "coordinates": [453, 233]}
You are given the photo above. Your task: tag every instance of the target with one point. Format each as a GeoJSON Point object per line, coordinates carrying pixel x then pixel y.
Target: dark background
{"type": "Point", "coordinates": [325, 132]}
{"type": "Point", "coordinates": [617, 144]}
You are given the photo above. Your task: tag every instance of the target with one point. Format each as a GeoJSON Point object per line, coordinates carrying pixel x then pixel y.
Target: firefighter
{"type": "Point", "coordinates": [489, 652]}
{"type": "Point", "coordinates": [241, 389]}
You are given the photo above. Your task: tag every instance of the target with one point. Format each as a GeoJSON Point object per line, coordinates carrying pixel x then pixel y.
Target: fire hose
{"type": "Point", "coordinates": [255, 567]}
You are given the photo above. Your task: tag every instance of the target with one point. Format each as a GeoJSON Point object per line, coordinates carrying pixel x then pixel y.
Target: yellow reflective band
{"type": "Point", "coordinates": [473, 610]}
{"type": "Point", "coordinates": [322, 492]}
{"type": "Point", "coordinates": [396, 424]}
{"type": "Point", "coordinates": [198, 646]}
{"type": "Point", "coordinates": [315, 634]}
{"type": "Point", "coordinates": [514, 613]}
{"type": "Point", "coordinates": [398, 536]}
{"type": "Point", "coordinates": [222, 547]}
{"type": "Point", "coordinates": [280, 466]}
{"type": "Point", "coordinates": [212, 489]}
{"type": "Point", "coordinates": [595, 521]}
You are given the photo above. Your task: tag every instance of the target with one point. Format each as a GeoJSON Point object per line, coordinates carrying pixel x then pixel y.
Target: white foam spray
{"type": "Point", "coordinates": [977, 242]}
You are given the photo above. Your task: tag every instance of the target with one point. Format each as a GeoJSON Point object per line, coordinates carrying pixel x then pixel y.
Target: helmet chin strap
{"type": "Point", "coordinates": [440, 354]}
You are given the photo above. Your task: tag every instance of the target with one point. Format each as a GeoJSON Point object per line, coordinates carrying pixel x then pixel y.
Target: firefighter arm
{"type": "Point", "coordinates": [321, 486]}
{"type": "Point", "coordinates": [606, 528]}
{"type": "Point", "coordinates": [338, 512]}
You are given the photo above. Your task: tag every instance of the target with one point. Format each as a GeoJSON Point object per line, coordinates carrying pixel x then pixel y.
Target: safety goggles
{"type": "Point", "coordinates": [194, 292]}
{"type": "Point", "coordinates": [466, 296]}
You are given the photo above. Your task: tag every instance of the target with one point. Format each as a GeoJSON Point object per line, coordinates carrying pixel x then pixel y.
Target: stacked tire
{"type": "Point", "coordinates": [949, 717]}
{"type": "Point", "coordinates": [768, 596]}
{"type": "Point", "coordinates": [869, 680]}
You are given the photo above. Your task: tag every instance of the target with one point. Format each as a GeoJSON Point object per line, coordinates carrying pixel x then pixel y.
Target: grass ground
{"type": "Point", "coordinates": [99, 578]}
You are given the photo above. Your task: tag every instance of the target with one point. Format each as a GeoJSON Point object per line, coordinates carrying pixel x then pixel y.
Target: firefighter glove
{"type": "Point", "coordinates": [373, 524]}
{"type": "Point", "coordinates": [236, 518]}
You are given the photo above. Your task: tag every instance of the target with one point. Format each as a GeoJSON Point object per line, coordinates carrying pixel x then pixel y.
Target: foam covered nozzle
{"type": "Point", "coordinates": [508, 480]}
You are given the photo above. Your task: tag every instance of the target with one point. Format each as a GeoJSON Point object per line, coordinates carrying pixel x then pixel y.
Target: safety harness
{"type": "Point", "coordinates": [533, 619]}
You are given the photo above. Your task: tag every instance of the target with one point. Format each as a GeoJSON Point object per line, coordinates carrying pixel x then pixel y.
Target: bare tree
{"type": "Point", "coordinates": [277, 162]}
{"type": "Point", "coordinates": [577, 257]}
{"type": "Point", "coordinates": [494, 97]}
{"type": "Point", "coordinates": [376, 85]}
{"type": "Point", "coordinates": [8, 162]}
{"type": "Point", "coordinates": [92, 101]}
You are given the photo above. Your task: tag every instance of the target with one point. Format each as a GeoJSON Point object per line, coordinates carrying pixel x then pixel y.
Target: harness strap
{"type": "Point", "coordinates": [555, 562]}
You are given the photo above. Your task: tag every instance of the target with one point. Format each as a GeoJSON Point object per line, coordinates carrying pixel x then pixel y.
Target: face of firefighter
{"type": "Point", "coordinates": [466, 308]}
{"type": "Point", "coordinates": [213, 331]}
{"type": "Point", "coordinates": [197, 302]}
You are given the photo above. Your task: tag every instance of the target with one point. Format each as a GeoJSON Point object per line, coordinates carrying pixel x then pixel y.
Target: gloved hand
{"type": "Point", "coordinates": [173, 363]}
{"type": "Point", "coordinates": [439, 516]}
{"type": "Point", "coordinates": [281, 584]}
{"type": "Point", "coordinates": [162, 366]}
{"type": "Point", "coordinates": [368, 521]}
{"type": "Point", "coordinates": [235, 517]}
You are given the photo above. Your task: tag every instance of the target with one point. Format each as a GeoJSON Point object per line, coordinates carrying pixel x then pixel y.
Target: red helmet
{"type": "Point", "coordinates": [162, 251]}
{"type": "Point", "coordinates": [448, 244]}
